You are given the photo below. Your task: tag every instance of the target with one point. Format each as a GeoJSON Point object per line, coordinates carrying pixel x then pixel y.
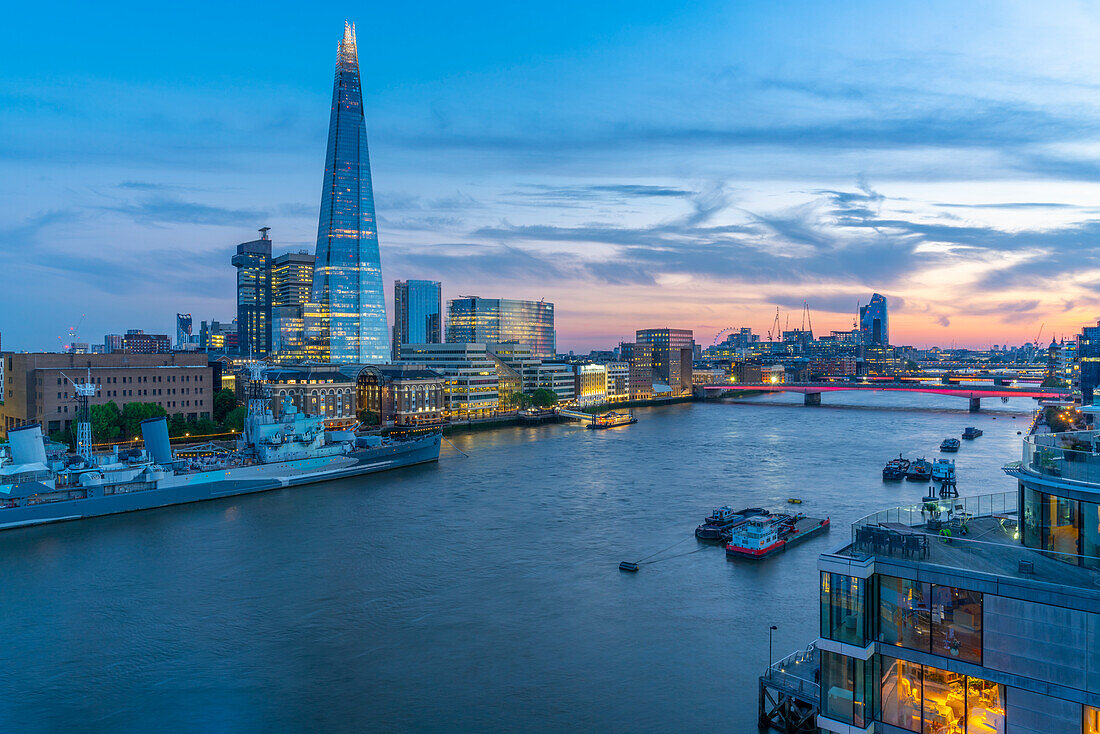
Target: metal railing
{"type": "Point", "coordinates": [796, 673]}
{"type": "Point", "coordinates": [944, 510]}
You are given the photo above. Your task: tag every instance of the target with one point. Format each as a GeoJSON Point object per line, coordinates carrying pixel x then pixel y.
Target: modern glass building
{"type": "Point", "coordinates": [253, 263]}
{"type": "Point", "coordinates": [291, 279]}
{"type": "Point", "coordinates": [666, 355]}
{"type": "Point", "coordinates": [481, 320]}
{"type": "Point", "coordinates": [347, 278]}
{"type": "Point", "coordinates": [418, 313]}
{"type": "Point", "coordinates": [972, 614]}
{"type": "Point", "coordinates": [874, 324]}
{"type": "Point", "coordinates": [1088, 358]}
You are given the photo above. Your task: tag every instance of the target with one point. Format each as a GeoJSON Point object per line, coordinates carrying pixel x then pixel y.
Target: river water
{"type": "Point", "coordinates": [476, 594]}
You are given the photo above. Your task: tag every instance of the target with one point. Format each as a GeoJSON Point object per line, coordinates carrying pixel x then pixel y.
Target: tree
{"type": "Point", "coordinates": [1053, 382]}
{"type": "Point", "coordinates": [912, 366]}
{"type": "Point", "coordinates": [178, 426]}
{"type": "Point", "coordinates": [520, 400]}
{"type": "Point", "coordinates": [234, 419]}
{"type": "Point", "coordinates": [134, 413]}
{"type": "Point", "coordinates": [106, 421]}
{"type": "Point", "coordinates": [224, 401]}
{"type": "Point", "coordinates": [368, 417]}
{"type": "Point", "coordinates": [544, 398]}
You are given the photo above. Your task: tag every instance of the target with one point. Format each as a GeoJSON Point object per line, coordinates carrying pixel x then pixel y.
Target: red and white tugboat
{"type": "Point", "coordinates": [764, 535]}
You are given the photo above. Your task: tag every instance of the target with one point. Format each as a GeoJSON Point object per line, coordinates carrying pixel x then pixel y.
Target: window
{"type": "Point", "coordinates": [957, 623]}
{"type": "Point", "coordinates": [845, 687]}
{"type": "Point", "coordinates": [934, 701]}
{"type": "Point", "coordinates": [903, 613]}
{"type": "Point", "coordinates": [843, 606]}
{"type": "Point", "coordinates": [1059, 524]}
{"type": "Point", "coordinates": [1090, 535]}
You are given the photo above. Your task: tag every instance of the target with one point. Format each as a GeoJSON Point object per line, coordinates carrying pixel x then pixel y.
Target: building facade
{"type": "Point", "coordinates": [874, 323]}
{"type": "Point", "coordinates": [1088, 361]}
{"type": "Point", "coordinates": [558, 379]}
{"type": "Point", "coordinates": [469, 375]}
{"type": "Point", "coordinates": [291, 279]}
{"type": "Point", "coordinates": [317, 390]}
{"type": "Point", "coordinates": [253, 263]}
{"type": "Point", "coordinates": [347, 276]}
{"type": "Point", "coordinates": [975, 614]}
{"type": "Point", "coordinates": [417, 313]}
{"type": "Point", "coordinates": [639, 356]}
{"type": "Point", "coordinates": [480, 320]}
{"type": "Point", "coordinates": [137, 341]}
{"type": "Point", "coordinates": [590, 384]}
{"type": "Point", "coordinates": [666, 344]}
{"type": "Point", "coordinates": [403, 395]}
{"type": "Point", "coordinates": [39, 391]}
{"type": "Point", "coordinates": [618, 382]}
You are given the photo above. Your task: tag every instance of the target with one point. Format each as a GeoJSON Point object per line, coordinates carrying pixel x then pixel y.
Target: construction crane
{"type": "Point", "coordinates": [72, 333]}
{"type": "Point", "coordinates": [1038, 346]}
{"type": "Point", "coordinates": [773, 332]}
{"type": "Point", "coordinates": [806, 320]}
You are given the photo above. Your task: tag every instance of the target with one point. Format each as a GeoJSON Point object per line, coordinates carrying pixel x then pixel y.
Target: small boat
{"type": "Point", "coordinates": [950, 444]}
{"type": "Point", "coordinates": [971, 432]}
{"type": "Point", "coordinates": [723, 519]}
{"type": "Point", "coordinates": [628, 566]}
{"type": "Point", "coordinates": [764, 535]}
{"type": "Point", "coordinates": [943, 470]}
{"type": "Point", "coordinates": [612, 420]}
{"type": "Point", "coordinates": [794, 500]}
{"type": "Point", "coordinates": [895, 468]}
{"type": "Point", "coordinates": [919, 471]}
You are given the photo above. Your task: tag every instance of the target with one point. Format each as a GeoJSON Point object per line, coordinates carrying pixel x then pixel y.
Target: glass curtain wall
{"type": "Point", "coordinates": [846, 687]}
{"type": "Point", "coordinates": [941, 620]}
{"type": "Point", "coordinates": [843, 608]}
{"type": "Point", "coordinates": [933, 701]}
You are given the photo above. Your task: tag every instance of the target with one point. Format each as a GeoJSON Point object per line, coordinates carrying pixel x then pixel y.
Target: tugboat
{"type": "Point", "coordinates": [950, 444]}
{"type": "Point", "coordinates": [720, 522]}
{"type": "Point", "coordinates": [895, 469]}
{"type": "Point", "coordinates": [763, 536]}
{"type": "Point", "coordinates": [919, 471]}
{"type": "Point", "coordinates": [943, 470]}
{"type": "Point", "coordinates": [971, 433]}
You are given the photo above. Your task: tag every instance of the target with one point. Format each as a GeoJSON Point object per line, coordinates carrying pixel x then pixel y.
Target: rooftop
{"type": "Point", "coordinates": [978, 535]}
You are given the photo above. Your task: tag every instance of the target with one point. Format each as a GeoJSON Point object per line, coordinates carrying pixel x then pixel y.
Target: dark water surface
{"type": "Point", "coordinates": [478, 594]}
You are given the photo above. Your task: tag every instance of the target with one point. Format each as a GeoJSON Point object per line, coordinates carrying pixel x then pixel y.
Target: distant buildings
{"type": "Point", "coordinates": [639, 357]}
{"type": "Point", "coordinates": [291, 279]}
{"type": "Point", "coordinates": [253, 263]}
{"type": "Point", "coordinates": [184, 327]}
{"type": "Point", "coordinates": [417, 313]}
{"type": "Point", "coordinates": [1088, 359]}
{"type": "Point", "coordinates": [111, 342]}
{"type": "Point", "coordinates": [347, 277]}
{"type": "Point", "coordinates": [673, 354]}
{"type": "Point", "coordinates": [470, 376]}
{"type": "Point", "coordinates": [218, 336]}
{"type": "Point", "coordinates": [137, 341]}
{"type": "Point", "coordinates": [474, 319]}
{"type": "Point", "coordinates": [874, 323]}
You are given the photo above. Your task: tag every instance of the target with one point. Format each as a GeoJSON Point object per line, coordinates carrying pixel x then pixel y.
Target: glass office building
{"type": "Point", "coordinates": [874, 324]}
{"type": "Point", "coordinates": [481, 320]}
{"type": "Point", "coordinates": [253, 263]}
{"type": "Point", "coordinates": [418, 313]}
{"type": "Point", "coordinates": [347, 278]}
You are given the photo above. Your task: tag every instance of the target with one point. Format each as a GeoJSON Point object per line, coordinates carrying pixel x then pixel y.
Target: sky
{"type": "Point", "coordinates": [693, 165]}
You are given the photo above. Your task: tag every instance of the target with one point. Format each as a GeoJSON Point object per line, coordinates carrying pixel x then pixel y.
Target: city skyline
{"type": "Point", "coordinates": [764, 181]}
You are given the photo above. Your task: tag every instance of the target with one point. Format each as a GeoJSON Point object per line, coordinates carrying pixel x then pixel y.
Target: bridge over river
{"type": "Point", "coordinates": [813, 390]}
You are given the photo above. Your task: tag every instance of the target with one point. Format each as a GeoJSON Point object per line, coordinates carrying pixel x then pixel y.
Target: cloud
{"type": "Point", "coordinates": [168, 209]}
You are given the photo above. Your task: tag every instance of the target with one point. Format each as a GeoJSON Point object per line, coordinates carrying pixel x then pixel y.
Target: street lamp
{"type": "Point", "coordinates": [771, 629]}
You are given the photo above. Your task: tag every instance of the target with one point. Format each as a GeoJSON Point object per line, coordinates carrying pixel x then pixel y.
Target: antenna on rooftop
{"type": "Point", "coordinates": [263, 233]}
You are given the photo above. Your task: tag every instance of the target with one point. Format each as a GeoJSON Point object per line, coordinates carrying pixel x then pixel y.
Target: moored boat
{"type": "Point", "coordinates": [763, 536]}
{"type": "Point", "coordinates": [950, 444]}
{"type": "Point", "coordinates": [612, 420]}
{"type": "Point", "coordinates": [943, 470]}
{"type": "Point", "coordinates": [717, 526]}
{"type": "Point", "coordinates": [895, 468]}
{"type": "Point", "coordinates": [919, 471]}
{"type": "Point", "coordinates": [971, 433]}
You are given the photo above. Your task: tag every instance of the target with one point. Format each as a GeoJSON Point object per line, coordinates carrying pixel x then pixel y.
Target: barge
{"type": "Point", "coordinates": [761, 537]}
{"type": "Point", "coordinates": [723, 519]}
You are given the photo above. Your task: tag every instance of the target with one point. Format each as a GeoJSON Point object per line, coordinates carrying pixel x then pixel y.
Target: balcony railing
{"type": "Point", "coordinates": [797, 673]}
{"type": "Point", "coordinates": [952, 510]}
{"type": "Point", "coordinates": [1072, 456]}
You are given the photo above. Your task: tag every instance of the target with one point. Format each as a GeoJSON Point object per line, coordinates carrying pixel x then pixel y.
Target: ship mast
{"type": "Point", "coordinates": [82, 391]}
{"type": "Point", "coordinates": [258, 399]}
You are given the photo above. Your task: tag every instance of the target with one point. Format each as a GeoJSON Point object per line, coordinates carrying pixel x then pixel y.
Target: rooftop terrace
{"type": "Point", "coordinates": [972, 534]}
{"type": "Point", "coordinates": [1072, 456]}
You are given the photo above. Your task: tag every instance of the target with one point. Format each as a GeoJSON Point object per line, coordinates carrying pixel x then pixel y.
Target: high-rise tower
{"type": "Point", "coordinates": [347, 276]}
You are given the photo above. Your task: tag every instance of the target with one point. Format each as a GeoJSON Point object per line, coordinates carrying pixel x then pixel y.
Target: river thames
{"type": "Point", "coordinates": [477, 594]}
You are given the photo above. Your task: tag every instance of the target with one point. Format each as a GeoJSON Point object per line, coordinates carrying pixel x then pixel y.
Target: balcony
{"type": "Point", "coordinates": [1073, 456]}
{"type": "Point", "coordinates": [978, 534]}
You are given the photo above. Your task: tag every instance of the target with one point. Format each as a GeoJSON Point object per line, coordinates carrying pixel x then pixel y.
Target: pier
{"type": "Point", "coordinates": [790, 695]}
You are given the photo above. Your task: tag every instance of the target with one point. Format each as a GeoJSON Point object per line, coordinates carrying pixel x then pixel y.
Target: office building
{"type": "Point", "coordinates": [253, 264]}
{"type": "Point", "coordinates": [469, 373]}
{"type": "Point", "coordinates": [558, 379]}
{"type": "Point", "coordinates": [417, 313]}
{"type": "Point", "coordinates": [474, 319]}
{"type": "Point", "coordinates": [640, 358]}
{"type": "Point", "coordinates": [590, 384]}
{"type": "Point", "coordinates": [874, 324]}
{"type": "Point", "coordinates": [137, 341]}
{"type": "Point", "coordinates": [317, 390]}
{"type": "Point", "coordinates": [291, 279]}
{"type": "Point", "coordinates": [39, 390]}
{"type": "Point", "coordinates": [404, 396]}
{"type": "Point", "coordinates": [973, 614]}
{"type": "Point", "coordinates": [520, 359]}
{"type": "Point", "coordinates": [218, 336]}
{"type": "Point", "coordinates": [347, 275]}
{"type": "Point", "coordinates": [666, 358]}
{"type": "Point", "coordinates": [184, 326]}
{"type": "Point", "coordinates": [1088, 360]}
{"type": "Point", "coordinates": [618, 382]}
{"type": "Point", "coordinates": [112, 342]}
{"type": "Point", "coordinates": [287, 333]}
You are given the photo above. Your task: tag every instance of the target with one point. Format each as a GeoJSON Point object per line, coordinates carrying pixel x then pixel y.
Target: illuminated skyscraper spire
{"type": "Point", "coordinates": [347, 277]}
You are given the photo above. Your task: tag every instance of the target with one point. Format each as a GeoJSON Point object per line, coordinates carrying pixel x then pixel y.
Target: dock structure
{"type": "Point", "coordinates": [790, 695]}
{"type": "Point", "coordinates": [575, 415]}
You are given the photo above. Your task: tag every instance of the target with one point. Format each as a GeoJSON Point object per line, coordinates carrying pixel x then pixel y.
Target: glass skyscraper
{"type": "Point", "coordinates": [874, 324]}
{"type": "Point", "coordinates": [417, 313]}
{"type": "Point", "coordinates": [253, 264]}
{"type": "Point", "coordinates": [347, 279]}
{"type": "Point", "coordinates": [484, 320]}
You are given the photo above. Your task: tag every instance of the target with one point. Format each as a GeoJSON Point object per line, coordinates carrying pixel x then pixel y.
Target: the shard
{"type": "Point", "coordinates": [350, 308]}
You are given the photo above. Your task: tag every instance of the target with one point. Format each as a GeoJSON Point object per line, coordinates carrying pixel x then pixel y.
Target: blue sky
{"type": "Point", "coordinates": [640, 164]}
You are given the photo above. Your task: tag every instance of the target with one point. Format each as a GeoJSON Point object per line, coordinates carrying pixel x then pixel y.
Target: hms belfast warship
{"type": "Point", "coordinates": [275, 452]}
